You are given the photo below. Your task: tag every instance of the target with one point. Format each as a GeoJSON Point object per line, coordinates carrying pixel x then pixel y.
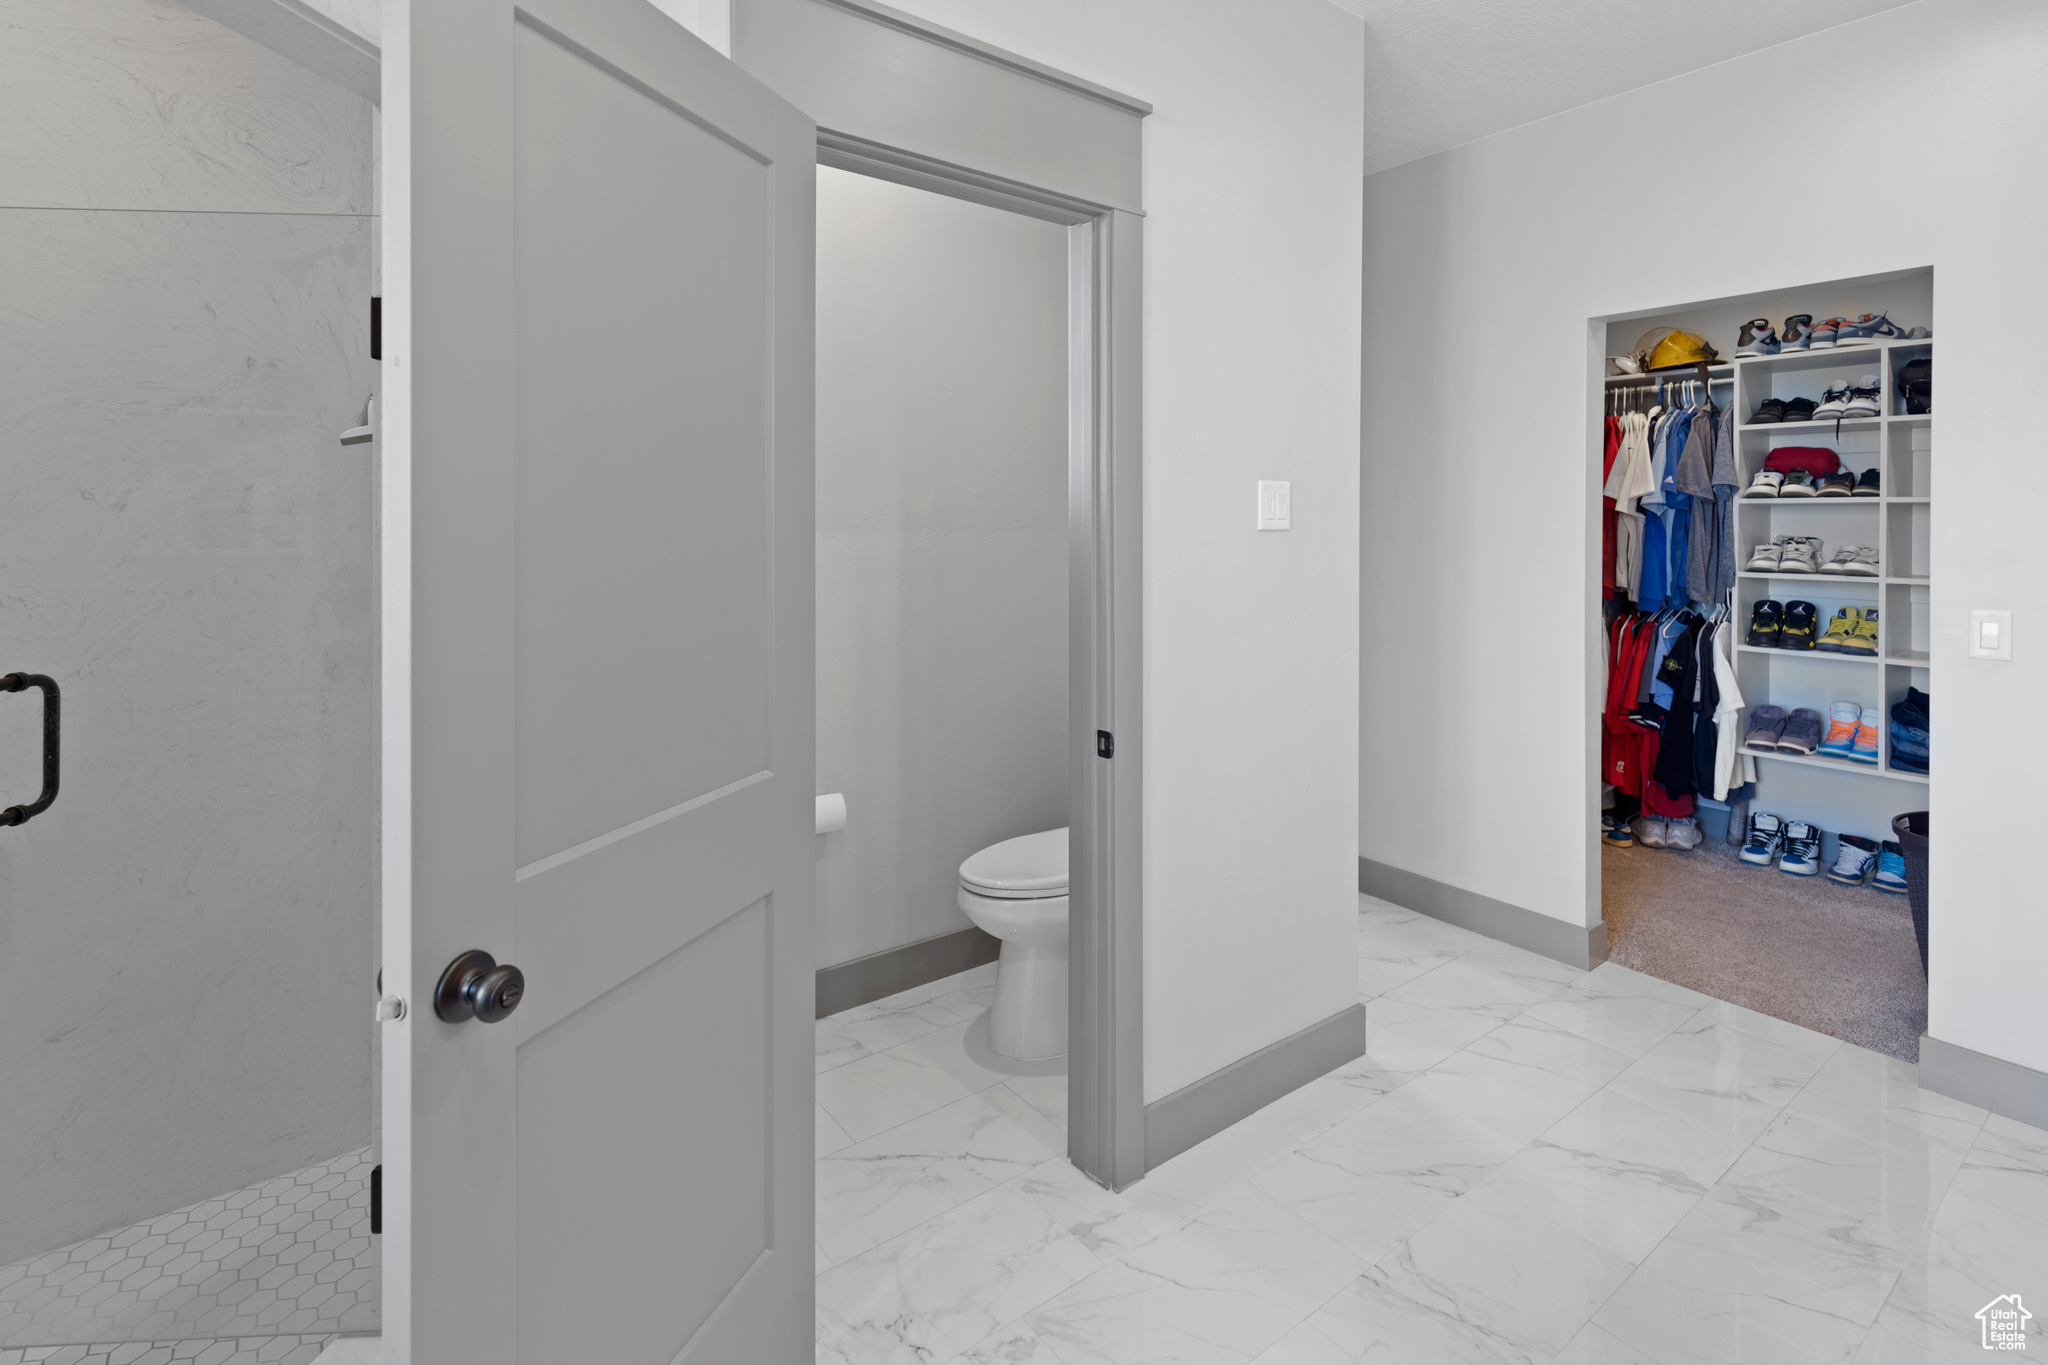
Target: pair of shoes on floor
{"type": "Point", "coordinates": [1615, 830]}
{"type": "Point", "coordinates": [1841, 401]}
{"type": "Point", "coordinates": [1793, 845]}
{"type": "Point", "coordinates": [1673, 831]}
{"type": "Point", "coordinates": [1773, 410]}
{"type": "Point", "coordinates": [1786, 554]}
{"type": "Point", "coordinates": [1784, 625]}
{"type": "Point", "coordinates": [1852, 631]}
{"type": "Point", "coordinates": [1852, 732]}
{"type": "Point", "coordinates": [1867, 862]}
{"type": "Point", "coordinates": [1772, 728]}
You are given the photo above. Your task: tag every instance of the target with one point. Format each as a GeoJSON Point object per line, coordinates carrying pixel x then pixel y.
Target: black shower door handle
{"type": "Point", "coordinates": [53, 726]}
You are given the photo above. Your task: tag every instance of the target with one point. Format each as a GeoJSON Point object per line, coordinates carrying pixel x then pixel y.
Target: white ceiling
{"type": "Point", "coordinates": [1442, 72]}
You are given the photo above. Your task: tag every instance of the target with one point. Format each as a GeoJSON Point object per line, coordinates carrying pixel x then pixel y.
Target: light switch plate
{"type": "Point", "coordinates": [1275, 499]}
{"type": "Point", "coordinates": [1991, 635]}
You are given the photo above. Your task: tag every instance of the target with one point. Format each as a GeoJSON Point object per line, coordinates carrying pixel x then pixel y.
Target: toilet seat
{"type": "Point", "coordinates": [1029, 867]}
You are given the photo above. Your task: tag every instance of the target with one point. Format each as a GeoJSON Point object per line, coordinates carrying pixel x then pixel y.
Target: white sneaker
{"type": "Point", "coordinates": [1800, 555]}
{"type": "Point", "coordinates": [1859, 561]}
{"type": "Point", "coordinates": [1862, 399]}
{"type": "Point", "coordinates": [1650, 831]}
{"type": "Point", "coordinates": [1834, 403]}
{"type": "Point", "coordinates": [1683, 832]}
{"type": "Point", "coordinates": [1766, 558]}
{"type": "Point", "coordinates": [1765, 485]}
{"type": "Point", "coordinates": [1801, 857]}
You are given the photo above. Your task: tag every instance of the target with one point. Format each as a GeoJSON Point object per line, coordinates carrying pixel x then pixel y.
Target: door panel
{"type": "Point", "coordinates": [608, 229]}
{"type": "Point", "coordinates": [669, 1204]}
{"type": "Point", "coordinates": [630, 509]}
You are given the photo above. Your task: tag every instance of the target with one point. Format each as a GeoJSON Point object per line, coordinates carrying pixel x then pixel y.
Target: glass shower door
{"type": "Point", "coordinates": [186, 551]}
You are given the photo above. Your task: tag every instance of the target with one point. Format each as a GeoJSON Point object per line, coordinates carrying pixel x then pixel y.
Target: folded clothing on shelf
{"type": "Point", "coordinates": [1909, 732]}
{"type": "Point", "coordinates": [1817, 461]}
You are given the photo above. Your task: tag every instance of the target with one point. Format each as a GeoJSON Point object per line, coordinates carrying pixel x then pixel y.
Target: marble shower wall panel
{"type": "Point", "coordinates": [145, 104]}
{"type": "Point", "coordinates": [185, 948]}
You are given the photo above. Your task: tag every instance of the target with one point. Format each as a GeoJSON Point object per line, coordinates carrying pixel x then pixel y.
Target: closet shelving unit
{"type": "Point", "coordinates": [1895, 523]}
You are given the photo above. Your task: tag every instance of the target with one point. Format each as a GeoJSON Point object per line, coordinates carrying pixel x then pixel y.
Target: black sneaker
{"type": "Point", "coordinates": [1839, 484]}
{"type": "Point", "coordinates": [1799, 409]}
{"type": "Point", "coordinates": [1866, 487]}
{"type": "Point", "coordinates": [1766, 622]}
{"type": "Point", "coordinates": [1802, 626]}
{"type": "Point", "coordinates": [1771, 410]}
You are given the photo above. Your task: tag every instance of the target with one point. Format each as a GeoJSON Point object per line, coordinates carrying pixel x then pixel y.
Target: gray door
{"type": "Point", "coordinates": [600, 373]}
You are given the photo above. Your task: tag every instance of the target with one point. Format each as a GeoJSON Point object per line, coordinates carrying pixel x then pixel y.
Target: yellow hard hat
{"type": "Point", "coordinates": [1675, 349]}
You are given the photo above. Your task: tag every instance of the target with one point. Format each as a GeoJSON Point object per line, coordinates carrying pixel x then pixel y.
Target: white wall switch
{"type": "Point", "coordinates": [1274, 500]}
{"type": "Point", "coordinates": [1991, 635]}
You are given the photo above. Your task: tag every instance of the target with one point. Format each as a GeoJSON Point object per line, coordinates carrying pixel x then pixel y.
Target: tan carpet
{"type": "Point", "coordinates": [1833, 958]}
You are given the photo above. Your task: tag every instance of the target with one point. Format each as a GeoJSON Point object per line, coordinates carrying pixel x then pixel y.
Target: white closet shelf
{"type": "Point", "coordinates": [1824, 655]}
{"type": "Point", "coordinates": [1848, 424]}
{"type": "Point", "coordinates": [1921, 580]}
{"type": "Point", "coordinates": [1722, 370]}
{"type": "Point", "coordinates": [1840, 765]}
{"type": "Point", "coordinates": [1813, 577]}
{"type": "Point", "coordinates": [1919, 502]}
{"type": "Point", "coordinates": [1917, 658]}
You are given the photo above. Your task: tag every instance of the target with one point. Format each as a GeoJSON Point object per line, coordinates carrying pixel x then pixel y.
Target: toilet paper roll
{"type": "Point", "coordinates": [831, 812]}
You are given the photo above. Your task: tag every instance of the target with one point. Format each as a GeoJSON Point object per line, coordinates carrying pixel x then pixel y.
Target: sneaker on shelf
{"type": "Point", "coordinates": [1867, 485]}
{"type": "Point", "coordinates": [1801, 857]}
{"type": "Point", "coordinates": [1864, 750]}
{"type": "Point", "coordinates": [1650, 831]}
{"type": "Point", "coordinates": [1765, 485]}
{"type": "Point", "coordinates": [1765, 558]}
{"type": "Point", "coordinates": [1766, 724]}
{"type": "Point", "coordinates": [1802, 732]}
{"type": "Point", "coordinates": [1834, 403]}
{"type": "Point", "coordinates": [1919, 333]}
{"type": "Point", "coordinates": [1882, 328]}
{"type": "Point", "coordinates": [1841, 736]}
{"type": "Point", "coordinates": [1797, 332]}
{"type": "Point", "coordinates": [1891, 868]}
{"type": "Point", "coordinates": [1799, 409]}
{"type": "Point", "coordinates": [1799, 483]}
{"type": "Point", "coordinates": [1839, 484]}
{"type": "Point", "coordinates": [1757, 337]}
{"type": "Point", "coordinates": [1863, 638]}
{"type": "Point", "coordinates": [1841, 631]}
{"type": "Point", "coordinates": [1857, 561]}
{"type": "Point", "coordinates": [1802, 626]}
{"type": "Point", "coordinates": [1770, 410]}
{"type": "Point", "coordinates": [1855, 331]}
{"type": "Point", "coordinates": [1800, 555]}
{"type": "Point", "coordinates": [1614, 830]}
{"type": "Point", "coordinates": [1862, 400]}
{"type": "Point", "coordinates": [1855, 860]}
{"type": "Point", "coordinates": [1824, 333]}
{"type": "Point", "coordinates": [1766, 620]}
{"type": "Point", "coordinates": [1765, 841]}
{"type": "Point", "coordinates": [1683, 832]}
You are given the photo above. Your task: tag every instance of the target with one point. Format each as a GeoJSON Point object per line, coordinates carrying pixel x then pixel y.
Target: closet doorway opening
{"type": "Point", "coordinates": [1762, 614]}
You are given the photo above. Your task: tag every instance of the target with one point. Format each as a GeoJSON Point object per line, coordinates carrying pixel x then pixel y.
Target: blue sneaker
{"type": "Point", "coordinates": [1891, 868]}
{"type": "Point", "coordinates": [1766, 838]}
{"type": "Point", "coordinates": [1856, 856]}
{"type": "Point", "coordinates": [1856, 331]}
{"type": "Point", "coordinates": [1758, 338]}
{"type": "Point", "coordinates": [1823, 334]}
{"type": "Point", "coordinates": [1615, 830]}
{"type": "Point", "coordinates": [1843, 718]}
{"type": "Point", "coordinates": [1801, 857]}
{"type": "Point", "coordinates": [1798, 333]}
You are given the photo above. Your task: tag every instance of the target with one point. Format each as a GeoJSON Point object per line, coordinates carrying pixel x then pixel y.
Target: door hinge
{"type": "Point", "coordinates": [376, 327]}
{"type": "Point", "coordinates": [1105, 744]}
{"type": "Point", "coordinates": [376, 1201]}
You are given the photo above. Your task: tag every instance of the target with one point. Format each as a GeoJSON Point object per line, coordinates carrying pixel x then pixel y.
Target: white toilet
{"type": "Point", "coordinates": [1017, 890]}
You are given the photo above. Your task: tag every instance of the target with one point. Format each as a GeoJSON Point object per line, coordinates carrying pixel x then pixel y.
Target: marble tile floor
{"type": "Point", "coordinates": [1531, 1164]}
{"type": "Point", "coordinates": [267, 1275]}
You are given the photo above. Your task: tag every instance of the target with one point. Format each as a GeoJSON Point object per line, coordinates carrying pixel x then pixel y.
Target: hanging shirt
{"type": "Point", "coordinates": [1727, 487]}
{"type": "Point", "coordinates": [1626, 484]}
{"type": "Point", "coordinates": [1612, 430]}
{"type": "Point", "coordinates": [1694, 475]}
{"type": "Point", "coordinates": [1677, 513]}
{"type": "Point", "coordinates": [1732, 767]}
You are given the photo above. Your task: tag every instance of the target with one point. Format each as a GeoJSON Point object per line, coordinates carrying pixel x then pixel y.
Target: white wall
{"type": "Point", "coordinates": [1252, 161]}
{"type": "Point", "coordinates": [185, 966]}
{"type": "Point", "coordinates": [1484, 266]}
{"type": "Point", "coordinates": [942, 548]}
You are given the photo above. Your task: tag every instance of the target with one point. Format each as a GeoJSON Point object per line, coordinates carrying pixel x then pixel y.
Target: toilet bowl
{"type": "Point", "coordinates": [1017, 890]}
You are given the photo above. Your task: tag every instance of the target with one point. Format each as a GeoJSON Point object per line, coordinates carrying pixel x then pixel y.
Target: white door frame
{"type": "Point", "coordinates": [961, 118]}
